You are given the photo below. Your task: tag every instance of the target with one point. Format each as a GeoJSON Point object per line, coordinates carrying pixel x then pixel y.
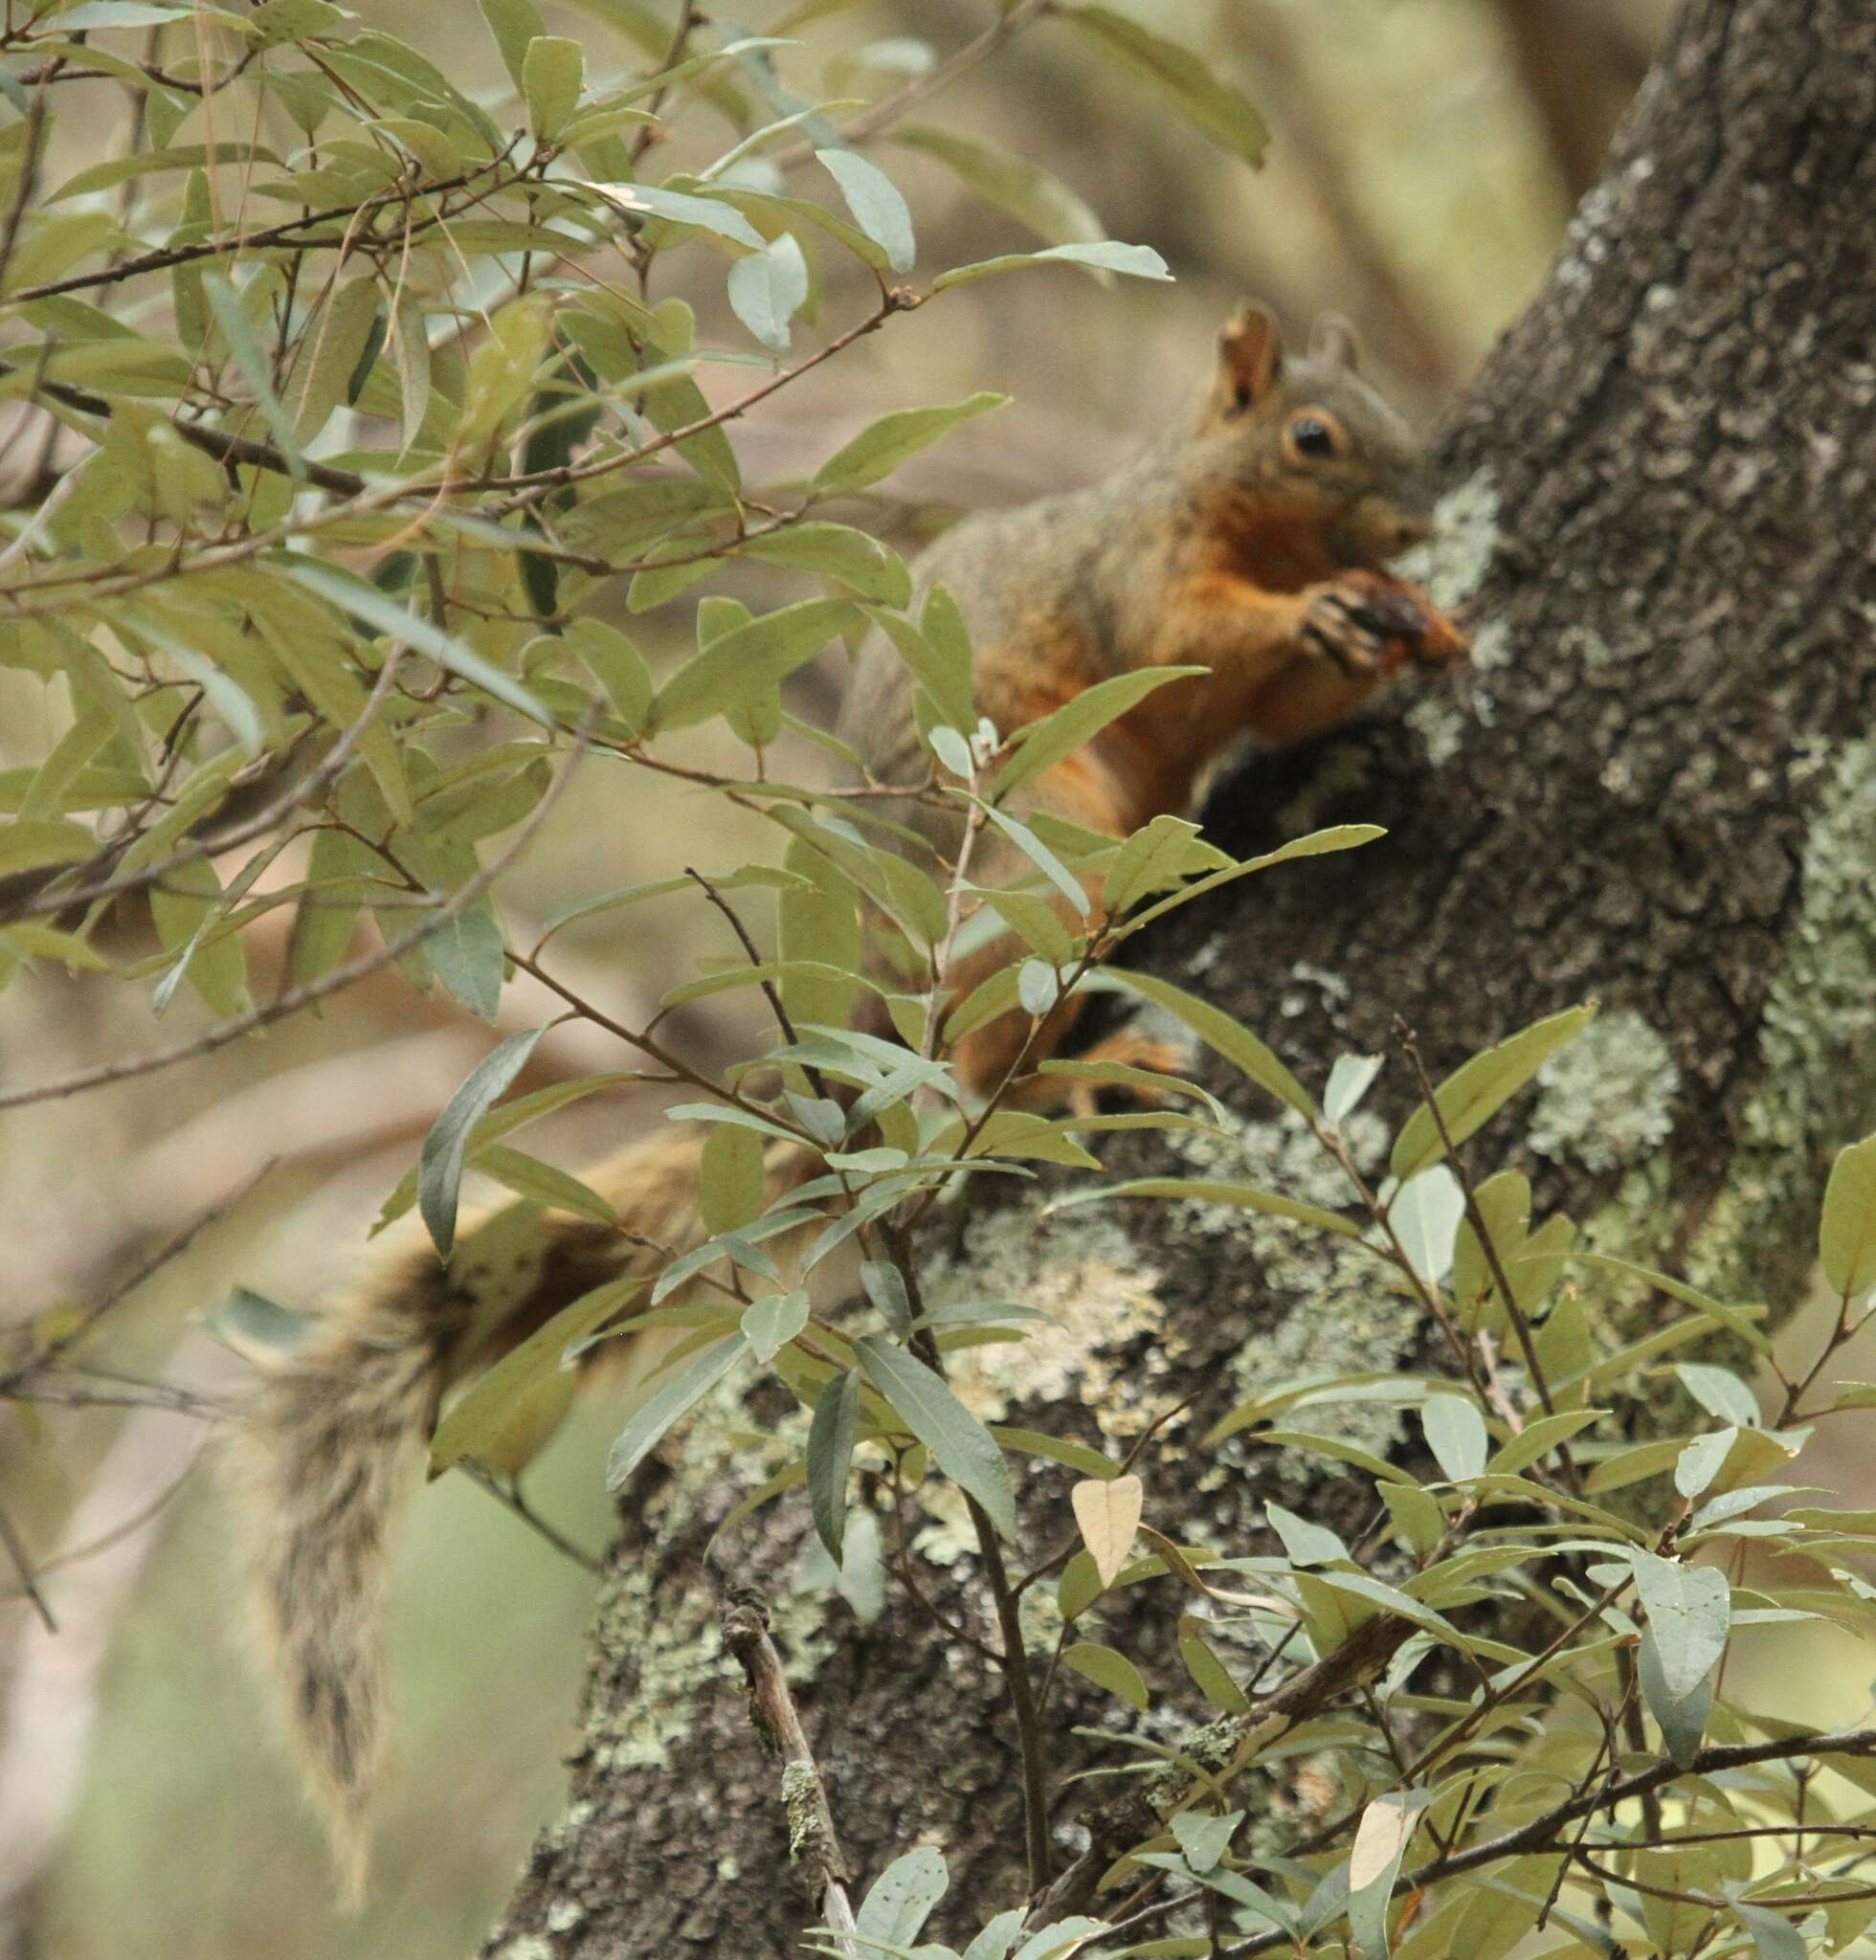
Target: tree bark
{"type": "Point", "coordinates": [1658, 786]}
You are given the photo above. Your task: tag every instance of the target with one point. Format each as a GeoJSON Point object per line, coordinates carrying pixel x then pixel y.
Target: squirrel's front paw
{"type": "Point", "coordinates": [1351, 623]}
{"type": "Point", "coordinates": [1371, 624]}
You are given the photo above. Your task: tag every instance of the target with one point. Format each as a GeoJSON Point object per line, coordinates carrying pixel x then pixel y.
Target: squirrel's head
{"type": "Point", "coordinates": [1307, 434]}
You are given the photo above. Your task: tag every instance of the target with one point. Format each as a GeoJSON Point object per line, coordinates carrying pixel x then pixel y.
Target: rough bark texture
{"type": "Point", "coordinates": [1658, 787]}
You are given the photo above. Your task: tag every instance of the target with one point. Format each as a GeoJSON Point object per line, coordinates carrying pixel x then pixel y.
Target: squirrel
{"type": "Point", "coordinates": [1247, 539]}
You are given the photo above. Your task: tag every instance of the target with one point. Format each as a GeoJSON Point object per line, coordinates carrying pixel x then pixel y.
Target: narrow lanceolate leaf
{"type": "Point", "coordinates": [1194, 85]}
{"type": "Point", "coordinates": [830, 1455]}
{"type": "Point", "coordinates": [747, 659]}
{"type": "Point", "coordinates": [1382, 1839]}
{"type": "Point", "coordinates": [1478, 1089]}
{"type": "Point", "coordinates": [477, 1420]}
{"type": "Point", "coordinates": [1107, 1510]}
{"type": "Point", "coordinates": [1249, 1197]}
{"type": "Point", "coordinates": [1218, 1030]}
{"type": "Point", "coordinates": [1846, 1232]}
{"type": "Point", "coordinates": [1348, 1083]}
{"type": "Point", "coordinates": [1689, 1611]}
{"type": "Point", "coordinates": [1057, 736]}
{"type": "Point", "coordinates": [336, 339]}
{"type": "Point", "coordinates": [1104, 255]}
{"type": "Point", "coordinates": [878, 450]}
{"type": "Point", "coordinates": [676, 1398]}
{"type": "Point", "coordinates": [1012, 183]}
{"type": "Point", "coordinates": [961, 1446]}
{"type": "Point", "coordinates": [385, 616]}
{"type": "Point", "coordinates": [681, 207]}
{"type": "Point", "coordinates": [439, 1168]}
{"type": "Point", "coordinates": [878, 207]}
{"type": "Point", "coordinates": [237, 330]}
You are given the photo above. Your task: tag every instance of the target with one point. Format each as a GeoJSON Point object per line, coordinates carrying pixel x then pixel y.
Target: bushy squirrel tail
{"type": "Point", "coordinates": [321, 1458]}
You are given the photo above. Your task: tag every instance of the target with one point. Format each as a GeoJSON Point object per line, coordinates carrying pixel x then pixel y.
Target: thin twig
{"type": "Point", "coordinates": [509, 1495]}
{"type": "Point", "coordinates": [295, 998]}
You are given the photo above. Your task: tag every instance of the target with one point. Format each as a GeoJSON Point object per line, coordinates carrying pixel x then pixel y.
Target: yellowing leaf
{"type": "Point", "coordinates": [1107, 1510]}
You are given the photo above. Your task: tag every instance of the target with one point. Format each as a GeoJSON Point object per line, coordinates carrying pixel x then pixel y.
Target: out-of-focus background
{"type": "Point", "coordinates": [1425, 155]}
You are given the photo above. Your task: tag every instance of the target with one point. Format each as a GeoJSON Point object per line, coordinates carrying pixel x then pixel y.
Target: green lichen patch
{"type": "Point", "coordinates": [1080, 1269]}
{"type": "Point", "coordinates": [1816, 1053]}
{"type": "Point", "coordinates": [672, 1641]}
{"type": "Point", "coordinates": [1337, 1312]}
{"type": "Point", "coordinates": [1606, 1101]}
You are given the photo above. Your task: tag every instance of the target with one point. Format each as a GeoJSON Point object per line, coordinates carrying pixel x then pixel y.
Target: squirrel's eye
{"type": "Point", "coordinates": [1310, 435]}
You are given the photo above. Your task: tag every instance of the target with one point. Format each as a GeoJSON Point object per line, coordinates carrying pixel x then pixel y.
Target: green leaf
{"type": "Point", "coordinates": [1720, 1393]}
{"type": "Point", "coordinates": [553, 71]}
{"type": "Point", "coordinates": [1047, 742]}
{"type": "Point", "coordinates": [439, 1168]}
{"type": "Point", "coordinates": [1478, 1089]}
{"type": "Point", "coordinates": [1104, 255]}
{"type": "Point", "coordinates": [962, 1447]}
{"type": "Point", "coordinates": [1106, 1668]}
{"type": "Point", "coordinates": [250, 1323]}
{"type": "Point", "coordinates": [352, 595]}
{"type": "Point", "coordinates": [237, 330]}
{"type": "Point", "coordinates": [1210, 103]}
{"type": "Point", "coordinates": [1689, 1610]}
{"type": "Point", "coordinates": [1038, 855]}
{"type": "Point", "coordinates": [681, 207]}
{"type": "Point", "coordinates": [1539, 1437]}
{"type": "Point", "coordinates": [30, 843]}
{"type": "Point", "coordinates": [731, 1183]}
{"type": "Point", "coordinates": [902, 1898]}
{"type": "Point", "coordinates": [675, 1398]}
{"type": "Point", "coordinates": [769, 288]}
{"type": "Point", "coordinates": [1456, 1434]}
{"type": "Point", "coordinates": [737, 665]}
{"type": "Point", "coordinates": [1775, 1936]}
{"type": "Point", "coordinates": [513, 24]}
{"type": "Point", "coordinates": [481, 1414]}
{"type": "Point", "coordinates": [1683, 1717]}
{"type": "Point", "coordinates": [1305, 1544]}
{"type": "Point", "coordinates": [1220, 1032]}
{"type": "Point", "coordinates": [528, 1177]}
{"type": "Point", "coordinates": [337, 339]}
{"type": "Point", "coordinates": [1737, 1320]}
{"type": "Point", "coordinates": [863, 565]}
{"type": "Point", "coordinates": [874, 199]}
{"type": "Point", "coordinates": [1425, 1213]}
{"type": "Point", "coordinates": [1013, 184]}
{"type": "Point", "coordinates": [997, 1939]}
{"type": "Point", "coordinates": [1249, 1197]}
{"type": "Point", "coordinates": [773, 1322]}
{"type": "Point", "coordinates": [1208, 1671]}
{"type": "Point", "coordinates": [937, 667]}
{"type": "Point", "coordinates": [1348, 1082]}
{"type": "Point", "coordinates": [467, 954]}
{"type": "Point", "coordinates": [1846, 1231]}
{"type": "Point", "coordinates": [879, 449]}
{"type": "Point", "coordinates": [830, 1438]}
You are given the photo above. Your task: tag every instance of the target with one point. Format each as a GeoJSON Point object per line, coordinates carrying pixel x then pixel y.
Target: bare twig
{"type": "Point", "coordinates": [812, 1842]}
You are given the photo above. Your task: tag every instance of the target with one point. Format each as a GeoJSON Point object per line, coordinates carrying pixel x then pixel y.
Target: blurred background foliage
{"type": "Point", "coordinates": [1424, 156]}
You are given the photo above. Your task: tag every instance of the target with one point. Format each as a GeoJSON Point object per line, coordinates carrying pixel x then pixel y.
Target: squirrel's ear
{"type": "Point", "coordinates": [1332, 342]}
{"type": "Point", "coordinates": [1250, 356]}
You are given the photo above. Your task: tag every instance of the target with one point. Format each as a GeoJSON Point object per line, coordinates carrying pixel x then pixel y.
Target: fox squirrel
{"type": "Point", "coordinates": [1246, 538]}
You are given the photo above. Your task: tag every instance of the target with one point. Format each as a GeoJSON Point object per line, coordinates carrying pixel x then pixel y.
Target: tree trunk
{"type": "Point", "coordinates": [1658, 786]}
